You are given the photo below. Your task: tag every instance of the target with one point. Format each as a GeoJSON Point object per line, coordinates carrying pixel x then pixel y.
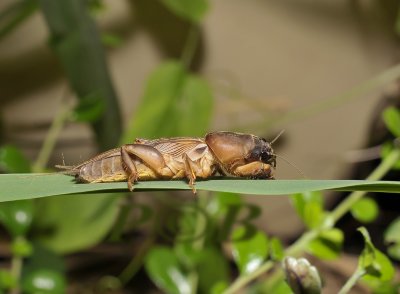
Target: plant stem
{"type": "Point", "coordinates": [134, 265]}
{"type": "Point", "coordinates": [292, 250]}
{"type": "Point", "coordinates": [51, 137]}
{"type": "Point", "coordinates": [16, 269]}
{"type": "Point", "coordinates": [377, 174]}
{"type": "Point", "coordinates": [352, 281]}
{"type": "Point", "coordinates": [297, 247]}
{"type": "Point", "coordinates": [198, 243]}
{"type": "Point", "coordinates": [190, 46]}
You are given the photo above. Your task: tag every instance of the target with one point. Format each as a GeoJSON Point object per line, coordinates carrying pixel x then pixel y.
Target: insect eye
{"type": "Point", "coordinates": [265, 156]}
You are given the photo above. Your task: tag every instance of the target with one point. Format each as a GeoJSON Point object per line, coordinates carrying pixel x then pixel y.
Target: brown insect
{"type": "Point", "coordinates": [224, 153]}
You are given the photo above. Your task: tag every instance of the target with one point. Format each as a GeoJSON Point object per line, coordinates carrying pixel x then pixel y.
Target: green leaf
{"type": "Point", "coordinates": [7, 280]}
{"type": "Point", "coordinates": [328, 244]}
{"type": "Point", "coordinates": [92, 218]}
{"type": "Point", "coordinates": [12, 160]}
{"type": "Point", "coordinates": [163, 268]}
{"type": "Point", "coordinates": [29, 186]}
{"type": "Point", "coordinates": [111, 40]}
{"type": "Point", "coordinates": [76, 43]}
{"type": "Point", "coordinates": [196, 107]}
{"type": "Point", "coordinates": [156, 105]}
{"type": "Point", "coordinates": [365, 210]}
{"type": "Point", "coordinates": [89, 109]}
{"type": "Point", "coordinates": [280, 287]}
{"type": "Point", "coordinates": [276, 249]}
{"type": "Point", "coordinates": [219, 288]}
{"type": "Point", "coordinates": [44, 281]}
{"type": "Point", "coordinates": [43, 258]}
{"type": "Point", "coordinates": [379, 287]}
{"type": "Point", "coordinates": [392, 239]}
{"type": "Point", "coordinates": [213, 270]}
{"type": "Point", "coordinates": [309, 207]}
{"type": "Point", "coordinates": [193, 10]}
{"type": "Point", "coordinates": [221, 201]}
{"type": "Point", "coordinates": [172, 95]}
{"type": "Point", "coordinates": [391, 117]}
{"type": "Point", "coordinates": [14, 14]}
{"type": "Point", "coordinates": [394, 251]}
{"type": "Point", "coordinates": [249, 253]}
{"type": "Point", "coordinates": [373, 261]}
{"type": "Point", "coordinates": [17, 216]}
{"type": "Point", "coordinates": [21, 247]}
{"type": "Point", "coordinates": [392, 233]}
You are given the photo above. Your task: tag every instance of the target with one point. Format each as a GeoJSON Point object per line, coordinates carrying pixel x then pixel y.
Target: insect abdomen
{"type": "Point", "coordinates": [103, 170]}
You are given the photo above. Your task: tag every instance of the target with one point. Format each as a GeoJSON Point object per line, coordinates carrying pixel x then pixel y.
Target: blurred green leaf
{"type": "Point", "coordinates": [160, 95]}
{"type": "Point", "coordinates": [392, 233]}
{"type": "Point", "coordinates": [43, 258]}
{"type": "Point", "coordinates": [17, 216]}
{"type": "Point", "coordinates": [213, 270]}
{"type": "Point", "coordinates": [111, 40]}
{"type": "Point", "coordinates": [76, 42]}
{"type": "Point", "coordinates": [219, 288]}
{"type": "Point", "coordinates": [365, 210]}
{"type": "Point", "coordinates": [392, 239]}
{"type": "Point", "coordinates": [391, 117]}
{"type": "Point", "coordinates": [249, 253]}
{"type": "Point", "coordinates": [379, 287]}
{"type": "Point", "coordinates": [193, 10]}
{"type": "Point", "coordinates": [163, 268]}
{"type": "Point", "coordinates": [221, 201]}
{"type": "Point", "coordinates": [309, 206]}
{"type": "Point", "coordinates": [280, 287]}
{"type": "Point", "coordinates": [7, 280]}
{"type": "Point", "coordinates": [44, 281]}
{"type": "Point", "coordinates": [373, 261]}
{"type": "Point", "coordinates": [172, 95]}
{"type": "Point", "coordinates": [13, 161]}
{"type": "Point", "coordinates": [21, 247]}
{"type": "Point", "coordinates": [195, 107]}
{"type": "Point", "coordinates": [89, 109]}
{"type": "Point", "coordinates": [14, 14]}
{"type": "Point", "coordinates": [93, 217]}
{"type": "Point", "coordinates": [277, 251]}
{"type": "Point", "coordinates": [387, 148]}
{"type": "Point", "coordinates": [187, 255]}
{"type": "Point", "coordinates": [328, 244]}
{"type": "Point", "coordinates": [394, 251]}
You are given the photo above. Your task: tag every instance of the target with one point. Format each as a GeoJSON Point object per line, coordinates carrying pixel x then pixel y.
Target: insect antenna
{"type": "Point", "coordinates": [277, 137]}
{"type": "Point", "coordinates": [292, 165]}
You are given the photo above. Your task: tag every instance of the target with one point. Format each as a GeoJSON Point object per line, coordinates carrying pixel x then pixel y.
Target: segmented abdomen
{"type": "Point", "coordinates": [103, 170]}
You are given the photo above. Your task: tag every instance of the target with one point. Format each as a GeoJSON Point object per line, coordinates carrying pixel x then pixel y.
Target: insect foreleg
{"type": "Point", "coordinates": [253, 169]}
{"type": "Point", "coordinates": [189, 172]}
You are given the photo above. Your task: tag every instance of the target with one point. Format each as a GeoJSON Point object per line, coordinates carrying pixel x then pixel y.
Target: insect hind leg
{"type": "Point", "coordinates": [150, 156]}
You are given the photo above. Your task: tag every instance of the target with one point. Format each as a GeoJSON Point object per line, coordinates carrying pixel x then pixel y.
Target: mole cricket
{"type": "Point", "coordinates": [218, 153]}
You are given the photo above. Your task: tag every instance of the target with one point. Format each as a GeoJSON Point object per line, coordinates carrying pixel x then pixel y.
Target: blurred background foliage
{"type": "Point", "coordinates": [180, 68]}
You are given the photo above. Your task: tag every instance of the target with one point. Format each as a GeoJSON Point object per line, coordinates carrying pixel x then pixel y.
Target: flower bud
{"type": "Point", "coordinates": [302, 277]}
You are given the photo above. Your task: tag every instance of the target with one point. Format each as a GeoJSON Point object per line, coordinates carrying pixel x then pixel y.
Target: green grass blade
{"type": "Point", "coordinates": [29, 186]}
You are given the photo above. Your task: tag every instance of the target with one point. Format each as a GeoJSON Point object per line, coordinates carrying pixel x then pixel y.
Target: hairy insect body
{"type": "Point", "coordinates": [227, 153]}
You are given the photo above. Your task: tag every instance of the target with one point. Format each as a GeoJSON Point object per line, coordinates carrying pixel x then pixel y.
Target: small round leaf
{"type": "Point", "coordinates": [365, 210]}
{"type": "Point", "coordinates": [44, 281]}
